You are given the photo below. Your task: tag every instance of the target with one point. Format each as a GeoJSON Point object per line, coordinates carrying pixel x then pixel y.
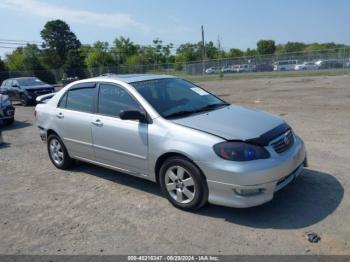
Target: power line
{"type": "Point", "coordinates": [8, 47]}
{"type": "Point", "coordinates": [25, 41]}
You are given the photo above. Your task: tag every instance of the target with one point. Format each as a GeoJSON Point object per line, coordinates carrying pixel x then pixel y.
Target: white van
{"type": "Point", "coordinates": [285, 65]}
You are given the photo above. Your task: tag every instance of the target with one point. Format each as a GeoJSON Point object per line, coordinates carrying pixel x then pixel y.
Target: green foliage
{"type": "Point", "coordinates": [235, 52]}
{"type": "Point", "coordinates": [291, 47]}
{"type": "Point", "coordinates": [266, 47]}
{"type": "Point", "coordinates": [123, 48]}
{"type": "Point", "coordinates": [74, 64]}
{"type": "Point", "coordinates": [3, 71]}
{"type": "Point", "coordinates": [99, 56]}
{"type": "Point", "coordinates": [24, 58]}
{"type": "Point", "coordinates": [251, 52]}
{"type": "Point", "coordinates": [59, 39]}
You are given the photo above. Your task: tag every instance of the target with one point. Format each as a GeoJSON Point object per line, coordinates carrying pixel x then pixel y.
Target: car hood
{"type": "Point", "coordinates": [36, 87]}
{"type": "Point", "coordinates": [233, 122]}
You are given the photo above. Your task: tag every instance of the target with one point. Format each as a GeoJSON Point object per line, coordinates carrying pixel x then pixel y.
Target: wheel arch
{"type": "Point", "coordinates": [161, 159]}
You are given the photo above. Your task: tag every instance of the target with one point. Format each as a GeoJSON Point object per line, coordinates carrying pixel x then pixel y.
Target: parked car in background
{"type": "Point", "coordinates": [306, 66]}
{"type": "Point", "coordinates": [245, 68]}
{"type": "Point", "coordinates": [329, 64]}
{"type": "Point", "coordinates": [263, 67]}
{"type": "Point", "coordinates": [347, 63]}
{"type": "Point", "coordinates": [7, 111]}
{"type": "Point", "coordinates": [228, 69]}
{"type": "Point", "coordinates": [211, 70]}
{"type": "Point", "coordinates": [67, 80]}
{"type": "Point", "coordinates": [197, 147]}
{"type": "Point", "coordinates": [25, 89]}
{"type": "Point", "coordinates": [285, 65]}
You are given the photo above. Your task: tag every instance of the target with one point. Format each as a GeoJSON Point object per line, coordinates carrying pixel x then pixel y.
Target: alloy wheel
{"type": "Point", "coordinates": [56, 151]}
{"type": "Point", "coordinates": [180, 184]}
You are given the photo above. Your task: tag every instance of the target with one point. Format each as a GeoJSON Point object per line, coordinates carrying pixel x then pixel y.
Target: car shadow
{"type": "Point", "coordinates": [308, 200]}
{"type": "Point", "coordinates": [118, 177]}
{"type": "Point", "coordinates": [16, 125]}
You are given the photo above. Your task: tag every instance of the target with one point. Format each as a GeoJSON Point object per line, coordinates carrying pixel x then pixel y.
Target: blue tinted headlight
{"type": "Point", "coordinates": [240, 151]}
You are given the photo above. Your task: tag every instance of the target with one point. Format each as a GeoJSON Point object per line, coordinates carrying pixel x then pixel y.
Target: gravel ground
{"type": "Point", "coordinates": [92, 210]}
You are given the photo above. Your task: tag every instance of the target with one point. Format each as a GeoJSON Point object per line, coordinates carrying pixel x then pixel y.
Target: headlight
{"type": "Point", "coordinates": [6, 102]}
{"type": "Point", "coordinates": [240, 151]}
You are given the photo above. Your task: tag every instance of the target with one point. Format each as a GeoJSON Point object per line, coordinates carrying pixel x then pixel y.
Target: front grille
{"type": "Point", "coordinates": [38, 92]}
{"type": "Point", "coordinates": [284, 142]}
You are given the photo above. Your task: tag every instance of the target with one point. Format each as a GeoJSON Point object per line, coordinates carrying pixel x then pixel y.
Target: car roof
{"type": "Point", "coordinates": [130, 78]}
{"type": "Point", "coordinates": [24, 77]}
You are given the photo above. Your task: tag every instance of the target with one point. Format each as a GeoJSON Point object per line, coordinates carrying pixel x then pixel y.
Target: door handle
{"type": "Point", "coordinates": [60, 115]}
{"type": "Point", "coordinates": [97, 122]}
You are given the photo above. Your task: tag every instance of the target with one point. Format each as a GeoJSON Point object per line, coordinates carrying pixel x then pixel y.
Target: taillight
{"type": "Point", "coordinates": [34, 113]}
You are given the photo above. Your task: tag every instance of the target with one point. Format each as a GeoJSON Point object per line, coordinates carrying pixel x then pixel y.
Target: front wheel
{"type": "Point", "coordinates": [24, 100]}
{"type": "Point", "coordinates": [9, 121]}
{"type": "Point", "coordinates": [58, 153]}
{"type": "Point", "coordinates": [183, 184]}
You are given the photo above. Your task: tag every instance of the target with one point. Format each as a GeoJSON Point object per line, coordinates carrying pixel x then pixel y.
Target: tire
{"type": "Point", "coordinates": [58, 153]}
{"type": "Point", "coordinates": [188, 197]}
{"type": "Point", "coordinates": [9, 121]}
{"type": "Point", "coordinates": [24, 100]}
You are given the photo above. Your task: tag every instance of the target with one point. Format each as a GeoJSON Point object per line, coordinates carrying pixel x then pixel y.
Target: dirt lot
{"type": "Point", "coordinates": [91, 210]}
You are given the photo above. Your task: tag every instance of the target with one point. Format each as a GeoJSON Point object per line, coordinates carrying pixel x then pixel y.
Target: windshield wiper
{"type": "Point", "coordinates": [211, 107]}
{"type": "Point", "coordinates": [191, 112]}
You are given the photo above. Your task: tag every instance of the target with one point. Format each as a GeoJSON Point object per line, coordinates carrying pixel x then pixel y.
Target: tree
{"type": "Point", "coordinates": [28, 59]}
{"type": "Point", "coordinates": [75, 63]}
{"type": "Point", "coordinates": [291, 47]}
{"type": "Point", "coordinates": [24, 58]}
{"type": "Point", "coordinates": [59, 39]}
{"type": "Point", "coordinates": [235, 52]}
{"type": "Point", "coordinates": [99, 56]}
{"type": "Point", "coordinates": [188, 52]}
{"type": "Point", "coordinates": [251, 52]}
{"type": "Point", "coordinates": [266, 47]}
{"type": "Point", "coordinates": [3, 71]}
{"type": "Point", "coordinates": [123, 48]}
{"type": "Point", "coordinates": [211, 50]}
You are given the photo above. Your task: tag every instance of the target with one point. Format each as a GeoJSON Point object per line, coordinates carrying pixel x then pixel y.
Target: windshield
{"type": "Point", "coordinates": [174, 97]}
{"type": "Point", "coordinates": [30, 81]}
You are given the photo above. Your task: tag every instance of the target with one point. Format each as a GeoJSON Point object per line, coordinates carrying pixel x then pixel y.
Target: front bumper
{"type": "Point", "coordinates": [226, 179]}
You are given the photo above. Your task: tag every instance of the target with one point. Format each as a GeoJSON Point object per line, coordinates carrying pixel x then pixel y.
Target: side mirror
{"type": "Point", "coordinates": [133, 115]}
{"type": "Point", "coordinates": [15, 85]}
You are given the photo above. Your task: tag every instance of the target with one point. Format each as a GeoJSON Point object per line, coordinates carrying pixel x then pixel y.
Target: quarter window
{"type": "Point", "coordinates": [112, 99]}
{"type": "Point", "coordinates": [81, 99]}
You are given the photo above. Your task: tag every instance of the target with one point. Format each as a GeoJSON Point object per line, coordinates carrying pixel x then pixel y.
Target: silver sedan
{"type": "Point", "coordinates": [197, 147]}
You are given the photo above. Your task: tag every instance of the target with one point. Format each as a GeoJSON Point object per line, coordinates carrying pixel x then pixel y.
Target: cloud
{"type": "Point", "coordinates": [38, 8]}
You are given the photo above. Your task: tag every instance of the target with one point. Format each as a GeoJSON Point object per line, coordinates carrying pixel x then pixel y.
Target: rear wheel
{"type": "Point", "coordinates": [183, 184]}
{"type": "Point", "coordinates": [58, 153]}
{"type": "Point", "coordinates": [24, 100]}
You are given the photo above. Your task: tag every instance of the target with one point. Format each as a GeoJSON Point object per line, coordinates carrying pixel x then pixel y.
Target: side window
{"type": "Point", "coordinates": [81, 99]}
{"type": "Point", "coordinates": [63, 101]}
{"type": "Point", "coordinates": [112, 99]}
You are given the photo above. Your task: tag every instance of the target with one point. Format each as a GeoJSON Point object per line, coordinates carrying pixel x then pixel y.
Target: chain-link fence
{"type": "Point", "coordinates": [334, 59]}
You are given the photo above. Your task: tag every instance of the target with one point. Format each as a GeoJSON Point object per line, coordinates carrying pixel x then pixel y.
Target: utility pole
{"type": "Point", "coordinates": [220, 56]}
{"type": "Point", "coordinates": [203, 51]}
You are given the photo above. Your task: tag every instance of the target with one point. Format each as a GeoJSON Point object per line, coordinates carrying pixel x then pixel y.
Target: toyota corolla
{"type": "Point", "coordinates": [197, 147]}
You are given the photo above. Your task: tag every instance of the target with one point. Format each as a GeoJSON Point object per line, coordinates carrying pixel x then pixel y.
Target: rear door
{"type": "Point", "coordinates": [119, 143]}
{"type": "Point", "coordinates": [74, 116]}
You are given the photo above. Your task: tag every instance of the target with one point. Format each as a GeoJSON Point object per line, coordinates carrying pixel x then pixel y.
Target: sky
{"type": "Point", "coordinates": [238, 23]}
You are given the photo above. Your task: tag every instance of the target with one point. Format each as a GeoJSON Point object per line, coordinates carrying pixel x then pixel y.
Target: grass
{"type": "Point", "coordinates": [257, 75]}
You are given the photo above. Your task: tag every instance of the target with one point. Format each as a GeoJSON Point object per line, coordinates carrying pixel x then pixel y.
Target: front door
{"type": "Point", "coordinates": [119, 143]}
